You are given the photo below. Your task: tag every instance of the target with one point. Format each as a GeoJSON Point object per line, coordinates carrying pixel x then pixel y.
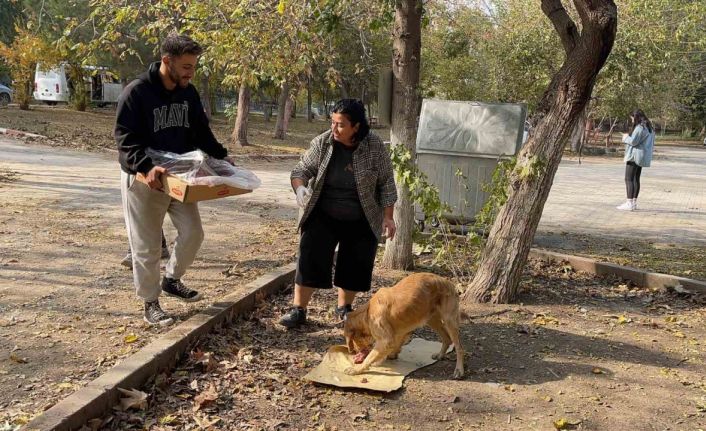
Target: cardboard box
{"type": "Point", "coordinates": [187, 193]}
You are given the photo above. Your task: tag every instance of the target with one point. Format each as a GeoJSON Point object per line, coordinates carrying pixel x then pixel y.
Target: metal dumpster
{"type": "Point", "coordinates": [469, 137]}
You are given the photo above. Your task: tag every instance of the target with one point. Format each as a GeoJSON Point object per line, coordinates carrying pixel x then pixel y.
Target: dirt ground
{"type": "Point", "coordinates": [593, 354]}
{"type": "Point", "coordinates": [68, 313]}
{"type": "Point", "coordinates": [664, 257]}
{"type": "Point", "coordinates": [93, 130]}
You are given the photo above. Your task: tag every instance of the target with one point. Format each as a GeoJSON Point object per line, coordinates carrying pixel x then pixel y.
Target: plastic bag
{"type": "Point", "coordinates": [195, 167]}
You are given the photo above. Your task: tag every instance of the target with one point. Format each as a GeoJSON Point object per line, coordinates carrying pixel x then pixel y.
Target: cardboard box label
{"type": "Point", "coordinates": [182, 191]}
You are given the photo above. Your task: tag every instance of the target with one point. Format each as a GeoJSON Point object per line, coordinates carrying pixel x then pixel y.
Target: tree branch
{"type": "Point", "coordinates": [563, 24]}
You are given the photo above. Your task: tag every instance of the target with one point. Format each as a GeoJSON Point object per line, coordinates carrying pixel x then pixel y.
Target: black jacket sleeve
{"type": "Point", "coordinates": [203, 135]}
{"type": "Point", "coordinates": [130, 135]}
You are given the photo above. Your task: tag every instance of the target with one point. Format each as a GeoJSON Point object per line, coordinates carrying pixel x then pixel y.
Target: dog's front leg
{"type": "Point", "coordinates": [376, 356]}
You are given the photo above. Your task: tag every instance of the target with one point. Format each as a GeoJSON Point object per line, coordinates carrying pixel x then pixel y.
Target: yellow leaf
{"type": "Point", "coordinates": [281, 6]}
{"type": "Point", "coordinates": [561, 424]}
{"type": "Point", "coordinates": [65, 385]}
{"type": "Point", "coordinates": [545, 320]}
{"type": "Point", "coordinates": [679, 334]}
{"type": "Point", "coordinates": [670, 319]}
{"type": "Point", "coordinates": [622, 319]}
{"type": "Point", "coordinates": [548, 399]}
{"type": "Point", "coordinates": [21, 420]}
{"type": "Point", "coordinates": [167, 420]}
{"type": "Point", "coordinates": [597, 370]}
{"type": "Point", "coordinates": [131, 338]}
{"type": "Point", "coordinates": [120, 329]}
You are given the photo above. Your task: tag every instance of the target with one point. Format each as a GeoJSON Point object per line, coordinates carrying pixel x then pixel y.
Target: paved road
{"type": "Point", "coordinates": [671, 206]}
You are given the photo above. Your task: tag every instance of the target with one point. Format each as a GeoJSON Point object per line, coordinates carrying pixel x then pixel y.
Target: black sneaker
{"type": "Point", "coordinates": [154, 315]}
{"type": "Point", "coordinates": [295, 317]}
{"type": "Point", "coordinates": [341, 312]}
{"type": "Point", "coordinates": [127, 260]}
{"type": "Point", "coordinates": [176, 288]}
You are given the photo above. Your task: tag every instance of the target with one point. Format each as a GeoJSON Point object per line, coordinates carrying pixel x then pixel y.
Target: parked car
{"type": "Point", "coordinates": [53, 85]}
{"type": "Point", "coordinates": [5, 95]}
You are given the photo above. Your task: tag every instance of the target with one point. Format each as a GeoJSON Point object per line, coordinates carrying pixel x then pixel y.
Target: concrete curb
{"type": "Point", "coordinates": [640, 277]}
{"type": "Point", "coordinates": [98, 397]}
{"type": "Point", "coordinates": [13, 132]}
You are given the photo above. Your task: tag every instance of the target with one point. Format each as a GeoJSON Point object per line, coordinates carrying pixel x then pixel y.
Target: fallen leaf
{"type": "Point", "coordinates": [206, 397]}
{"type": "Point", "coordinates": [167, 420]}
{"type": "Point", "coordinates": [130, 338]}
{"type": "Point", "coordinates": [545, 320]}
{"type": "Point", "coordinates": [17, 359]}
{"type": "Point", "coordinates": [205, 422]}
{"type": "Point", "coordinates": [597, 370]}
{"type": "Point", "coordinates": [134, 399]}
{"type": "Point", "coordinates": [561, 424]}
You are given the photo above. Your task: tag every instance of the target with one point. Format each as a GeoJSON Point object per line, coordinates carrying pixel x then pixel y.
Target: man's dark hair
{"type": "Point", "coordinates": [176, 45]}
{"type": "Point", "coordinates": [355, 111]}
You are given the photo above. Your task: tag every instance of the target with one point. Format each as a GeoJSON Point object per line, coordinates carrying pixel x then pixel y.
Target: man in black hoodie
{"type": "Point", "coordinates": [161, 110]}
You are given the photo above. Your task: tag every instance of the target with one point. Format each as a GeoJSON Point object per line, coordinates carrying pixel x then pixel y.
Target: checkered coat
{"type": "Point", "coordinates": [372, 169]}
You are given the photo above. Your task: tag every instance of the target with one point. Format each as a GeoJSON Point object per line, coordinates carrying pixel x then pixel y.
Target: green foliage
{"type": "Point", "coordinates": [421, 191]}
{"type": "Point", "coordinates": [497, 191]}
{"type": "Point", "coordinates": [21, 57]}
{"type": "Point", "coordinates": [533, 168]}
{"type": "Point", "coordinates": [456, 254]}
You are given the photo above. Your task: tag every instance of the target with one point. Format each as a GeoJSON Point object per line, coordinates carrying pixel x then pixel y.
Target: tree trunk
{"type": "Point", "coordinates": [289, 107]}
{"type": "Point", "coordinates": [344, 89]}
{"type": "Point", "coordinates": [579, 132]}
{"type": "Point", "coordinates": [406, 49]}
{"type": "Point", "coordinates": [240, 132]}
{"type": "Point", "coordinates": [609, 136]}
{"type": "Point", "coordinates": [206, 96]}
{"type": "Point", "coordinates": [505, 254]}
{"type": "Point", "coordinates": [25, 94]}
{"type": "Point", "coordinates": [280, 130]}
{"type": "Point", "coordinates": [308, 100]}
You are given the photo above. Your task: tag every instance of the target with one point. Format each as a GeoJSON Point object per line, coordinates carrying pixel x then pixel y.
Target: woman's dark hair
{"type": "Point", "coordinates": [176, 45]}
{"type": "Point", "coordinates": [355, 111]}
{"type": "Point", "coordinates": [639, 118]}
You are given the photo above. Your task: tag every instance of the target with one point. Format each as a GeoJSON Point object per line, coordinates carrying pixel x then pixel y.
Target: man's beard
{"type": "Point", "coordinates": [174, 76]}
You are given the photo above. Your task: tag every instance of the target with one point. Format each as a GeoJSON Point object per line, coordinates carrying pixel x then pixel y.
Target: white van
{"type": "Point", "coordinates": [51, 85]}
{"type": "Point", "coordinates": [54, 85]}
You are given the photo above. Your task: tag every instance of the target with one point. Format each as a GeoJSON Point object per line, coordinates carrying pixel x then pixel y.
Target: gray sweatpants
{"type": "Point", "coordinates": [144, 211]}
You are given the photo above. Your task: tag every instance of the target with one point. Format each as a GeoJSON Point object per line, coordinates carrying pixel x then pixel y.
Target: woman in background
{"type": "Point", "coordinates": [639, 145]}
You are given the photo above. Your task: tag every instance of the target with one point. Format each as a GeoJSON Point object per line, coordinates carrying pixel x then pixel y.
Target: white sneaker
{"type": "Point", "coordinates": [627, 206]}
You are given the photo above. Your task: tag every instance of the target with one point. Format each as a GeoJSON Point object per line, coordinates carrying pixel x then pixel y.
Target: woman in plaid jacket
{"type": "Point", "coordinates": [344, 184]}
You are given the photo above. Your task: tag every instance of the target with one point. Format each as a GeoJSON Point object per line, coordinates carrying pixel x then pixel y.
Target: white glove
{"type": "Point", "coordinates": [303, 195]}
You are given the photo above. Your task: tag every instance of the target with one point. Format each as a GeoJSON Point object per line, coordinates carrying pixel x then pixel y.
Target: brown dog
{"type": "Point", "coordinates": [387, 321]}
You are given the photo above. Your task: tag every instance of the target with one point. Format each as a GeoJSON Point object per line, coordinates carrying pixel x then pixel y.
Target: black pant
{"type": "Point", "coordinates": [357, 246]}
{"type": "Point", "coordinates": [632, 179]}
